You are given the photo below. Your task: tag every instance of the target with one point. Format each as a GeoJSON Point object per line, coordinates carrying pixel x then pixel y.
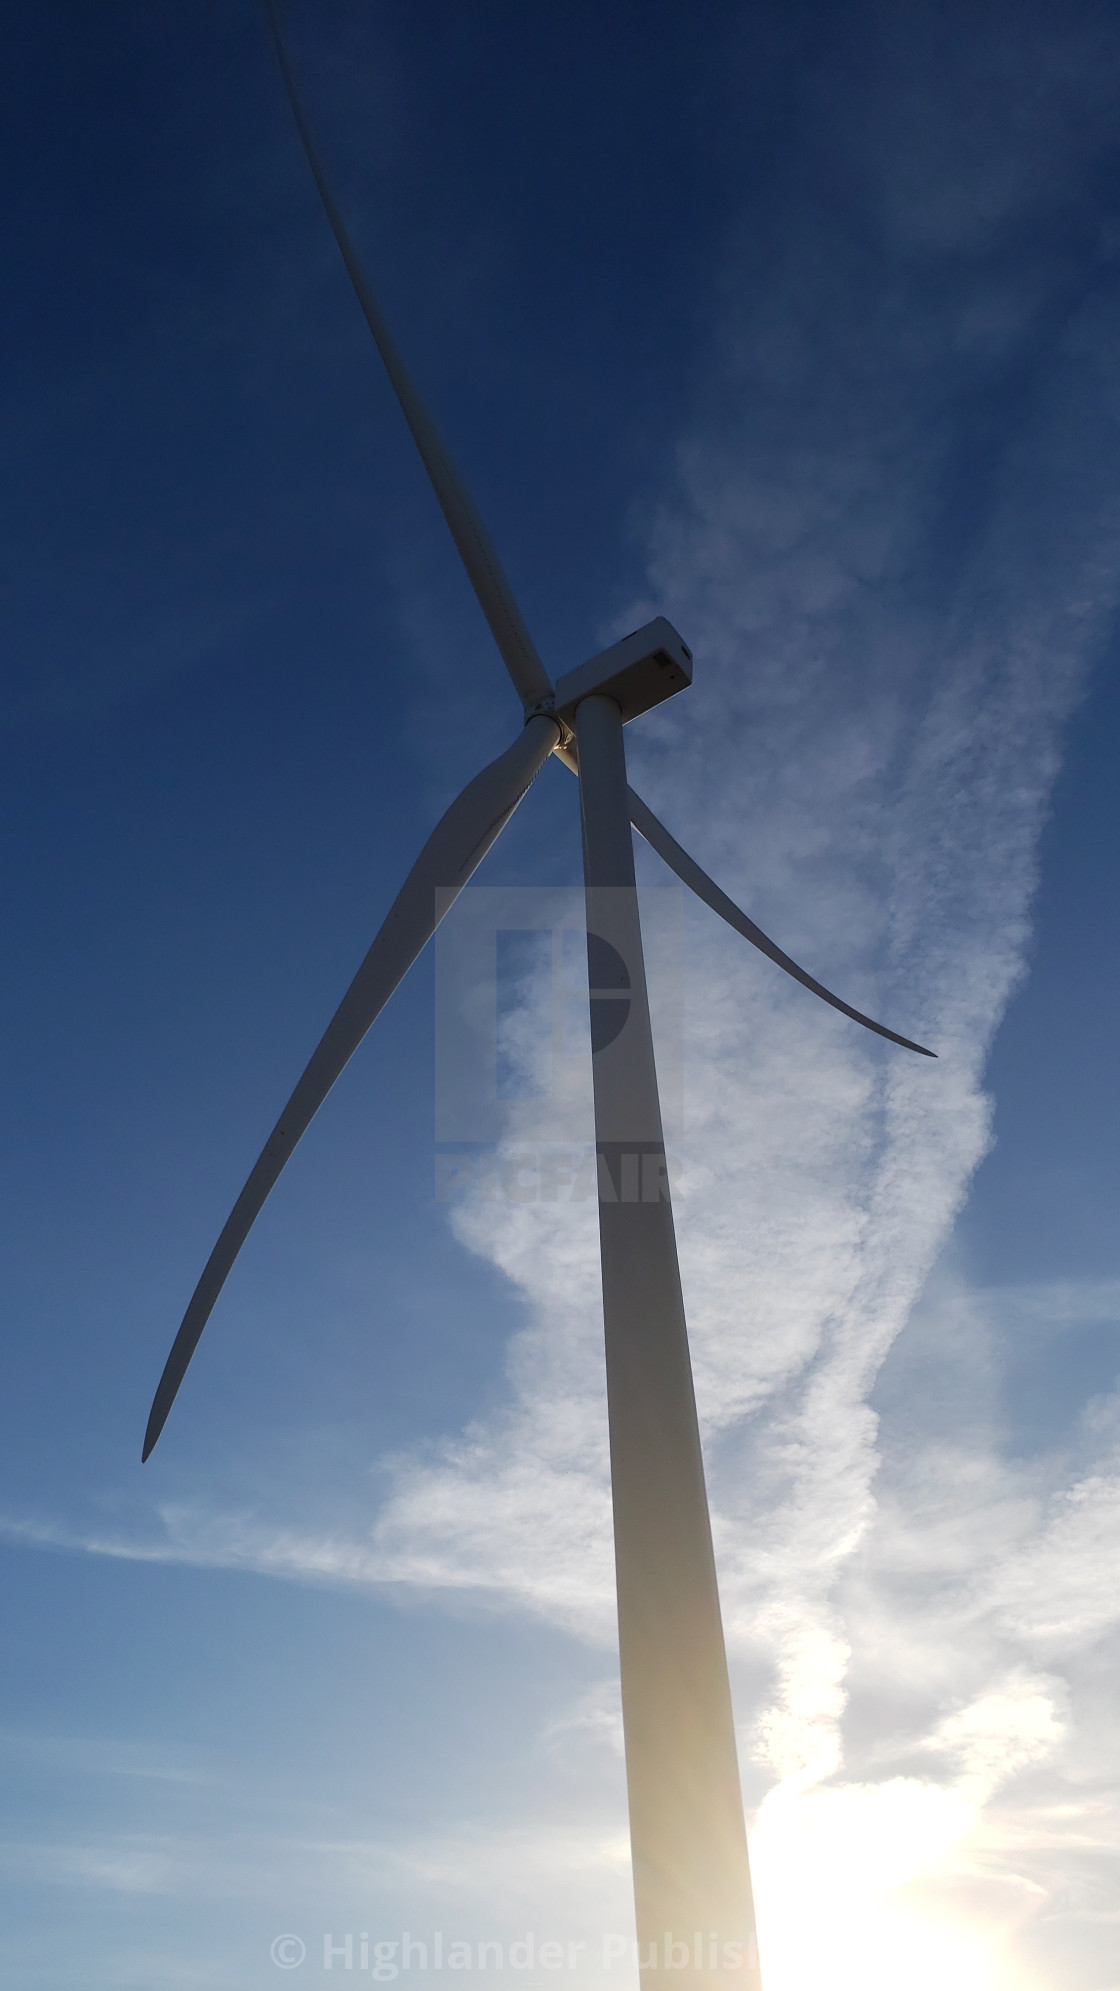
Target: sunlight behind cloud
{"type": "Point", "coordinates": [835, 1873]}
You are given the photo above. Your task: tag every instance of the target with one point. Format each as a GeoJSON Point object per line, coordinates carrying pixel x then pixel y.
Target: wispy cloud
{"type": "Point", "coordinates": [101, 1756]}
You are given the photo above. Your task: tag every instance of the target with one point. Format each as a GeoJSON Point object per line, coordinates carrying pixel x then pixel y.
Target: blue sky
{"type": "Point", "coordinates": [799, 325]}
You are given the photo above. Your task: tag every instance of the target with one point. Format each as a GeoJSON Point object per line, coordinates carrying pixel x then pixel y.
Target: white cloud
{"type": "Point", "coordinates": [1055, 1593]}
{"type": "Point", "coordinates": [1017, 1721]}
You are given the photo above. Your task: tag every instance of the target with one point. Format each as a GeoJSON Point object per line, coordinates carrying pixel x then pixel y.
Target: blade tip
{"type": "Point", "coordinates": [151, 1436]}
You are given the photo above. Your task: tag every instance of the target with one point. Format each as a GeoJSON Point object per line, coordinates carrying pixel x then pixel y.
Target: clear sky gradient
{"type": "Point", "coordinates": [799, 324]}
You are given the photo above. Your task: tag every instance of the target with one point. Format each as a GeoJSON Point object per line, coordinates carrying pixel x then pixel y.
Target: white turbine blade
{"type": "Point", "coordinates": [689, 872]}
{"type": "Point", "coordinates": [455, 848]}
{"type": "Point", "coordinates": [698, 881]}
{"type": "Point", "coordinates": [484, 569]}
{"type": "Point", "coordinates": [691, 1871]}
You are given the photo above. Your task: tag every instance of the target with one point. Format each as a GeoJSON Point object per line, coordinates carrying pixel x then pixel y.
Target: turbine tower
{"type": "Point", "coordinates": [692, 1888]}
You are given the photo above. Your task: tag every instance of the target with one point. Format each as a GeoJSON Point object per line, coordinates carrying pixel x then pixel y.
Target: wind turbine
{"type": "Point", "coordinates": [692, 1888]}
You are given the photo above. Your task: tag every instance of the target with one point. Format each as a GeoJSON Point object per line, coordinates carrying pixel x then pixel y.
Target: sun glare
{"type": "Point", "coordinates": [838, 1876]}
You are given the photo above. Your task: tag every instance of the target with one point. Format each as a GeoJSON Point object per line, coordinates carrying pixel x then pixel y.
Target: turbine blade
{"type": "Point", "coordinates": [484, 569]}
{"type": "Point", "coordinates": [705, 888]}
{"type": "Point", "coordinates": [455, 848]}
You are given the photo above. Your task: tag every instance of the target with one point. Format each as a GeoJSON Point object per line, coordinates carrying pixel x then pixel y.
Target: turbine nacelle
{"type": "Point", "coordinates": [641, 671]}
